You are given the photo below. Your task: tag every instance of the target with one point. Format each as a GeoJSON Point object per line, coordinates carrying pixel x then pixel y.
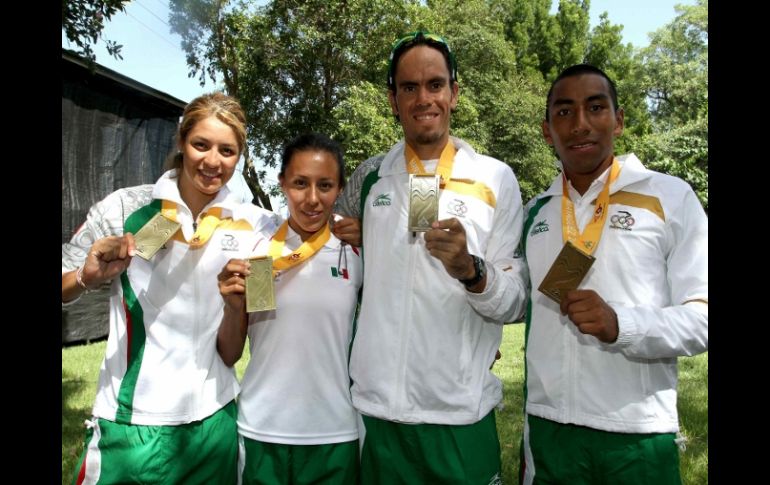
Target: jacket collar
{"type": "Point", "coordinates": [166, 188]}
{"type": "Point", "coordinates": [294, 241]}
{"type": "Point", "coordinates": [394, 162]}
{"type": "Point", "coordinates": [632, 171]}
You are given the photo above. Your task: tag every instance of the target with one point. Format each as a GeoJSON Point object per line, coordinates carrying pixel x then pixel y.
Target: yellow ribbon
{"type": "Point", "coordinates": [472, 188]}
{"type": "Point", "coordinates": [308, 248]}
{"type": "Point", "coordinates": [445, 162]}
{"type": "Point", "coordinates": [168, 210]}
{"type": "Point", "coordinates": [212, 218]}
{"type": "Point", "coordinates": [469, 187]}
{"type": "Point", "coordinates": [589, 239]}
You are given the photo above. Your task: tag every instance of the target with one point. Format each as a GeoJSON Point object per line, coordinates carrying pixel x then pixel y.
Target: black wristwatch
{"type": "Point", "coordinates": [480, 270]}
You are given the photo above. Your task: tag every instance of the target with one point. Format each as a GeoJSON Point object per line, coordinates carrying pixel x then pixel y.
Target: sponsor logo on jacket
{"type": "Point", "coordinates": [457, 207]}
{"type": "Point", "coordinates": [382, 199]}
{"type": "Point", "coordinates": [229, 243]}
{"type": "Point", "coordinates": [541, 226]}
{"type": "Point", "coordinates": [622, 220]}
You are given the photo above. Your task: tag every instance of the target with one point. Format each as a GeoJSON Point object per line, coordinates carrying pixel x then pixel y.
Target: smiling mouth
{"type": "Point", "coordinates": [426, 117]}
{"type": "Point", "coordinates": [582, 145]}
{"type": "Point", "coordinates": [209, 175]}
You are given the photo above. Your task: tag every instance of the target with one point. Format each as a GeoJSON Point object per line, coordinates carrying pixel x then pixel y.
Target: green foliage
{"type": "Point", "coordinates": [675, 79]}
{"type": "Point", "coordinates": [211, 32]}
{"type": "Point", "coordinates": [676, 68]}
{"type": "Point", "coordinates": [682, 152]}
{"type": "Point", "coordinates": [321, 65]}
{"type": "Point", "coordinates": [572, 19]}
{"type": "Point", "coordinates": [364, 124]}
{"type": "Point", "coordinates": [83, 21]}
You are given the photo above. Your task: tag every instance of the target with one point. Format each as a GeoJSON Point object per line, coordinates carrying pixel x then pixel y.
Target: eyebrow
{"type": "Point", "coordinates": [304, 176]}
{"type": "Point", "coordinates": [569, 101]}
{"type": "Point", "coordinates": [598, 97]}
{"type": "Point", "coordinates": [437, 79]}
{"type": "Point", "coordinates": [562, 101]}
{"type": "Point", "coordinates": [208, 140]}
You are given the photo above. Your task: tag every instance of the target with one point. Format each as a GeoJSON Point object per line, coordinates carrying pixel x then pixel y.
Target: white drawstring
{"type": "Point", "coordinates": [342, 258]}
{"type": "Point", "coordinates": [680, 441]}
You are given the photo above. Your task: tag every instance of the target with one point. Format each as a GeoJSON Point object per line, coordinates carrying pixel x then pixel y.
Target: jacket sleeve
{"type": "Point", "coordinates": [104, 218]}
{"type": "Point", "coordinates": [505, 295]}
{"type": "Point", "coordinates": [349, 201]}
{"type": "Point", "coordinates": [682, 328]}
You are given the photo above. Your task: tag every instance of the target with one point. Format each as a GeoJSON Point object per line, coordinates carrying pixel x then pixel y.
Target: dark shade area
{"type": "Point", "coordinates": [116, 133]}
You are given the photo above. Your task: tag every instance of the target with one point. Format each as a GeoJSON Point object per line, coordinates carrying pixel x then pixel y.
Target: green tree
{"type": "Point", "coordinates": [682, 152]}
{"type": "Point", "coordinates": [676, 67]}
{"type": "Point", "coordinates": [308, 57]}
{"type": "Point", "coordinates": [290, 63]}
{"type": "Point", "coordinates": [573, 21]}
{"type": "Point", "coordinates": [214, 34]}
{"type": "Point", "coordinates": [675, 79]}
{"type": "Point", "coordinates": [364, 124]}
{"type": "Point", "coordinates": [499, 109]}
{"type": "Point", "coordinates": [607, 52]}
{"type": "Point", "coordinates": [83, 21]}
{"type": "Point", "coordinates": [543, 42]}
{"type": "Point", "coordinates": [532, 32]}
{"type": "Point", "coordinates": [542, 50]}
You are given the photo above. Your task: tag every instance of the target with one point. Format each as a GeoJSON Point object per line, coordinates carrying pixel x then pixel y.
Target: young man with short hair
{"type": "Point", "coordinates": [601, 362]}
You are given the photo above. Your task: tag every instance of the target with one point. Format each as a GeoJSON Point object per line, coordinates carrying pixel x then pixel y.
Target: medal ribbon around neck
{"type": "Point", "coordinates": [588, 241]}
{"type": "Point", "coordinates": [211, 219]}
{"type": "Point", "coordinates": [308, 248]}
{"type": "Point", "coordinates": [443, 169]}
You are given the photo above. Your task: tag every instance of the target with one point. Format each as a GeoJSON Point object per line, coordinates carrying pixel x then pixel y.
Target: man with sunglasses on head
{"type": "Point", "coordinates": [434, 300]}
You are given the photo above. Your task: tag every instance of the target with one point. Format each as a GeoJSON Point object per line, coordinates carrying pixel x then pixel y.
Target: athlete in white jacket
{"type": "Point", "coordinates": [601, 367]}
{"type": "Point", "coordinates": [165, 410]}
{"type": "Point", "coordinates": [434, 303]}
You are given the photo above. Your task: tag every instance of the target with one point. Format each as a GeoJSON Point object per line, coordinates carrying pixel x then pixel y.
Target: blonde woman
{"type": "Point", "coordinates": [165, 409]}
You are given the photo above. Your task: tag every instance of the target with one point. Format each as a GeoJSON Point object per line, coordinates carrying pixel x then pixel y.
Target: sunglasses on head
{"type": "Point", "coordinates": [419, 33]}
{"type": "Point", "coordinates": [431, 39]}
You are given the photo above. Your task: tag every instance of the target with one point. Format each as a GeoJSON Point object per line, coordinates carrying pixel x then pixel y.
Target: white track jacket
{"type": "Point", "coordinates": [652, 268]}
{"type": "Point", "coordinates": [424, 345]}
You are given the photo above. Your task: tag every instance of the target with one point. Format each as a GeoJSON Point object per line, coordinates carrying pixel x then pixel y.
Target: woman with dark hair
{"type": "Point", "coordinates": [295, 416]}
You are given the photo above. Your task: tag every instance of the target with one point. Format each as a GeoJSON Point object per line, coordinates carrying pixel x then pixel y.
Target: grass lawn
{"type": "Point", "coordinates": [80, 370]}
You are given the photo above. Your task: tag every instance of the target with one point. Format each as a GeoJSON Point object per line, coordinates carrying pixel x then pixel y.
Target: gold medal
{"type": "Point", "coordinates": [260, 287]}
{"type": "Point", "coordinates": [153, 235]}
{"type": "Point", "coordinates": [566, 272]}
{"type": "Point", "coordinates": [423, 201]}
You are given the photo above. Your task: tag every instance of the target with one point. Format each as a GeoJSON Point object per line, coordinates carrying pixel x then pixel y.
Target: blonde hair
{"type": "Point", "coordinates": [225, 108]}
